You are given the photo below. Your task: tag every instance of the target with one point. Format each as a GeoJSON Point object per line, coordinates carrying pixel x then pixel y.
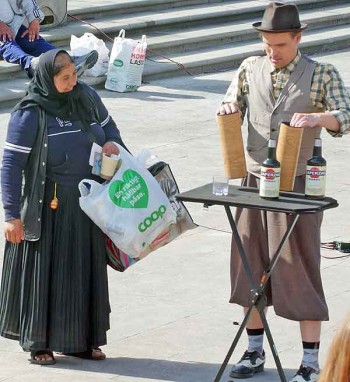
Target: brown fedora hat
{"type": "Point", "coordinates": [280, 17]}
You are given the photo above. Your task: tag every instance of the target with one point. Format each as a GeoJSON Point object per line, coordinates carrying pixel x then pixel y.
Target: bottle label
{"type": "Point", "coordinates": [270, 182]}
{"type": "Point", "coordinates": [315, 182]}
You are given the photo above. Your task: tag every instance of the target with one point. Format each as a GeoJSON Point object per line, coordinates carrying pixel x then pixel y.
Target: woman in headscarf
{"type": "Point", "coordinates": [54, 292]}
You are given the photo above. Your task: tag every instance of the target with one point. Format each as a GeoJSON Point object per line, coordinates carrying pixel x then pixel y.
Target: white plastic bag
{"type": "Point", "coordinates": [85, 44]}
{"type": "Point", "coordinates": [131, 209]}
{"type": "Point", "coordinates": [126, 64]}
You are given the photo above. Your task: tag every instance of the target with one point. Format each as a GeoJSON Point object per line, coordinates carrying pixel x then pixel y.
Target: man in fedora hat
{"type": "Point", "coordinates": [283, 86]}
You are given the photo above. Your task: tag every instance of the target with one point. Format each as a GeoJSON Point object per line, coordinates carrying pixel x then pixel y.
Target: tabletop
{"type": "Point", "coordinates": [248, 197]}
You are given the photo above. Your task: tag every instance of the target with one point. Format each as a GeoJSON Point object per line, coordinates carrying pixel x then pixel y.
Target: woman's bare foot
{"type": "Point", "coordinates": [42, 357]}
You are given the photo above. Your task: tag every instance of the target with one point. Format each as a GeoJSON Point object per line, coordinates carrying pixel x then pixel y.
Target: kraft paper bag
{"type": "Point", "coordinates": [288, 148]}
{"type": "Point", "coordinates": [230, 127]}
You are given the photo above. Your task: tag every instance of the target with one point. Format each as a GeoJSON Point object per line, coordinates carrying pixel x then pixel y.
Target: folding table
{"type": "Point", "coordinates": [293, 204]}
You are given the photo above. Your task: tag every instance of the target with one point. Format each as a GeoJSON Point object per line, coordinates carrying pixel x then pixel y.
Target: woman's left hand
{"type": "Point", "coordinates": [110, 148]}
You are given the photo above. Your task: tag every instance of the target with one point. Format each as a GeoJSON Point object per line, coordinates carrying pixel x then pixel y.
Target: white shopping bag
{"type": "Point", "coordinates": [85, 44]}
{"type": "Point", "coordinates": [126, 64]}
{"type": "Point", "coordinates": [131, 209]}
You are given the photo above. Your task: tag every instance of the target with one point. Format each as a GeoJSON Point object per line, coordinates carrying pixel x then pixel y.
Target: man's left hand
{"type": "Point", "coordinates": [326, 120]}
{"type": "Point", "coordinates": [32, 31]}
{"type": "Point", "coordinates": [305, 120]}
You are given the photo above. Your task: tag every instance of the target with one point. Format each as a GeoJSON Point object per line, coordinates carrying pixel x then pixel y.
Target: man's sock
{"type": "Point", "coordinates": [310, 357]}
{"type": "Point", "coordinates": [255, 340]}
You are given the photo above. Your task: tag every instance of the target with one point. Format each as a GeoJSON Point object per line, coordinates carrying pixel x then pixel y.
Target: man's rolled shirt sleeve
{"type": "Point", "coordinates": [239, 86]}
{"type": "Point", "coordinates": [336, 99]}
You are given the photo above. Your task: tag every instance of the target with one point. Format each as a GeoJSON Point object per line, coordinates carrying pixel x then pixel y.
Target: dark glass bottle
{"type": "Point", "coordinates": [270, 174]}
{"type": "Point", "coordinates": [315, 182]}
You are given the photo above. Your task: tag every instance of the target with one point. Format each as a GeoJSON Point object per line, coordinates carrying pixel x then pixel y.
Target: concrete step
{"type": "Point", "coordinates": [229, 13]}
{"type": "Point", "coordinates": [111, 7]}
{"type": "Point", "coordinates": [230, 56]}
{"type": "Point", "coordinates": [210, 36]}
{"type": "Point", "coordinates": [79, 9]}
{"type": "Point", "coordinates": [194, 38]}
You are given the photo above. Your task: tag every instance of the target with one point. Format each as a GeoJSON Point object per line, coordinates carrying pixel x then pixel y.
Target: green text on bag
{"type": "Point", "coordinates": [130, 192]}
{"type": "Point", "coordinates": [155, 215]}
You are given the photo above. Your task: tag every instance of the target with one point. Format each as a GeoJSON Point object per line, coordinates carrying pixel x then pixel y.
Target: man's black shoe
{"type": "Point", "coordinates": [305, 374]}
{"type": "Point", "coordinates": [250, 364]}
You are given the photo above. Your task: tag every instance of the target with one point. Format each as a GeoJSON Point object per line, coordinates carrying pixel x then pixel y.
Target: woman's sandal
{"type": "Point", "coordinates": [94, 354]}
{"type": "Point", "coordinates": [37, 360]}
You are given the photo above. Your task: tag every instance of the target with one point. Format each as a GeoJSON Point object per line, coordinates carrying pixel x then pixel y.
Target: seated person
{"type": "Point", "coordinates": [22, 45]}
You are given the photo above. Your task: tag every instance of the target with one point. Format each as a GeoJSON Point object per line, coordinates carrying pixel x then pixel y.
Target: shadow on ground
{"type": "Point", "coordinates": [159, 370]}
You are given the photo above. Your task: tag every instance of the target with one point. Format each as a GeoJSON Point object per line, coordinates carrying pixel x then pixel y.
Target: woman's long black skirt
{"type": "Point", "coordinates": [54, 291]}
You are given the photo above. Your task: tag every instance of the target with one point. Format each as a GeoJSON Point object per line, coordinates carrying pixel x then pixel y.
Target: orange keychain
{"type": "Point", "coordinates": [54, 201]}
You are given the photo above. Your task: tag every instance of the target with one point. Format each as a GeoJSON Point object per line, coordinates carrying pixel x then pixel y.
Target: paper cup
{"type": "Point", "coordinates": [232, 145]}
{"type": "Point", "coordinates": [288, 148]}
{"type": "Point", "coordinates": [109, 166]}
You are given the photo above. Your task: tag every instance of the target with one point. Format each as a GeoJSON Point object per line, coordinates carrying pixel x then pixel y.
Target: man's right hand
{"type": "Point", "coordinates": [14, 232]}
{"type": "Point", "coordinates": [227, 108]}
{"type": "Point", "coordinates": [6, 33]}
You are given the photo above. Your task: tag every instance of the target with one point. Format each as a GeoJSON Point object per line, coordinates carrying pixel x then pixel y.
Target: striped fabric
{"type": "Point", "coordinates": [36, 9]}
{"type": "Point", "coordinates": [104, 123]}
{"type": "Point", "coordinates": [21, 149]}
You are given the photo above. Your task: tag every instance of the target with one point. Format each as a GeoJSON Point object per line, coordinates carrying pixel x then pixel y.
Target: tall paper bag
{"type": "Point", "coordinates": [288, 148]}
{"type": "Point", "coordinates": [230, 127]}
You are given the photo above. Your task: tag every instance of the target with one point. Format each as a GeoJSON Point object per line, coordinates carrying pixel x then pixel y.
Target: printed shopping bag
{"type": "Point", "coordinates": [126, 64]}
{"type": "Point", "coordinates": [131, 209]}
{"type": "Point", "coordinates": [118, 259]}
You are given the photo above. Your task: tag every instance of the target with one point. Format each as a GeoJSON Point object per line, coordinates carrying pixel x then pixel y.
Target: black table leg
{"type": "Point", "coordinates": [234, 344]}
{"type": "Point", "coordinates": [259, 299]}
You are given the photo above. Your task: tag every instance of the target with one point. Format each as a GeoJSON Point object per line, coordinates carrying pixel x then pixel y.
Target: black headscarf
{"type": "Point", "coordinates": [77, 104]}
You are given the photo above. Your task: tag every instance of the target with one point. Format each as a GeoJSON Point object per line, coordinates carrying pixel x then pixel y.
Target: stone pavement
{"type": "Point", "coordinates": [171, 320]}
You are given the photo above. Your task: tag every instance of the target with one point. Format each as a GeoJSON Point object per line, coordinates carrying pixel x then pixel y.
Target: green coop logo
{"type": "Point", "coordinates": [118, 63]}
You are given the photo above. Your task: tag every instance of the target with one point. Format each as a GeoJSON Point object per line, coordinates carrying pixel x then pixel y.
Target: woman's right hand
{"type": "Point", "coordinates": [14, 232]}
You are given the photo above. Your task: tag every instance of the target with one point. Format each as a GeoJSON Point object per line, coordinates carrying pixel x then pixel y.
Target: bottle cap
{"type": "Point", "coordinates": [272, 143]}
{"type": "Point", "coordinates": [318, 142]}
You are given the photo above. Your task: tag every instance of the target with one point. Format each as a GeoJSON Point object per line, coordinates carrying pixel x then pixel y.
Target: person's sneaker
{"type": "Point", "coordinates": [305, 374]}
{"type": "Point", "coordinates": [248, 365]}
{"type": "Point", "coordinates": [32, 67]}
{"type": "Point", "coordinates": [85, 62]}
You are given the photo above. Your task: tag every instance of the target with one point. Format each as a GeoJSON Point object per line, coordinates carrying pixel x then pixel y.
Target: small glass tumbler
{"type": "Point", "coordinates": [220, 185]}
